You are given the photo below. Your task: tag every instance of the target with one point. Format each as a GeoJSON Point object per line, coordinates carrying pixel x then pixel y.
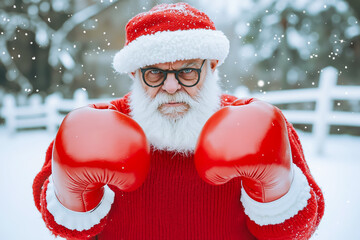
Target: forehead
{"type": "Point", "coordinates": [177, 64]}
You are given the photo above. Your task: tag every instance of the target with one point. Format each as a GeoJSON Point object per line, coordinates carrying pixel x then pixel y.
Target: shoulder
{"type": "Point", "coordinates": [227, 100]}
{"type": "Point", "coordinates": [230, 100]}
{"type": "Point", "coordinates": [122, 104]}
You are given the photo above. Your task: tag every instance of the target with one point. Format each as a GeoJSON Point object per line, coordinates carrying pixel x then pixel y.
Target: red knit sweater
{"type": "Point", "coordinates": [174, 203]}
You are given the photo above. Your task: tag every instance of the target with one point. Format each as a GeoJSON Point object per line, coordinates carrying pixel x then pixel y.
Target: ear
{"type": "Point", "coordinates": [213, 64]}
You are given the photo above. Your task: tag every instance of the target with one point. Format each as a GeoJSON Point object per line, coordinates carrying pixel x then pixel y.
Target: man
{"type": "Point", "coordinates": [175, 159]}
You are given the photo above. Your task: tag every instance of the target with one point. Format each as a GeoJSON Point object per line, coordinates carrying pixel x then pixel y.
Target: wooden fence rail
{"type": "Point", "coordinates": [50, 112]}
{"type": "Point", "coordinates": [324, 115]}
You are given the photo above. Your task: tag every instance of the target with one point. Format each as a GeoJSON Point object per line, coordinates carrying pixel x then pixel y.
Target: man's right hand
{"type": "Point", "coordinates": [93, 147]}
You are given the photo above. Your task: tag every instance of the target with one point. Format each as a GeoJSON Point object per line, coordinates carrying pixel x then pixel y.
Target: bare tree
{"type": "Point", "coordinates": [26, 15]}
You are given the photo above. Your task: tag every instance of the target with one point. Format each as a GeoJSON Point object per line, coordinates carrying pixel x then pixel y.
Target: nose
{"type": "Point", "coordinates": [171, 84]}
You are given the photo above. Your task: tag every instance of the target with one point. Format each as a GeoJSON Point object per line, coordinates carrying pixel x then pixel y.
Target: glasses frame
{"type": "Point", "coordinates": [176, 72]}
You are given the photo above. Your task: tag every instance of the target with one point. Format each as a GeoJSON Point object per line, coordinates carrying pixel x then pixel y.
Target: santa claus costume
{"type": "Point", "coordinates": [174, 202]}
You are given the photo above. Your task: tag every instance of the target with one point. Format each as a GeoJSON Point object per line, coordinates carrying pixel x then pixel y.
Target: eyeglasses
{"type": "Point", "coordinates": [155, 77]}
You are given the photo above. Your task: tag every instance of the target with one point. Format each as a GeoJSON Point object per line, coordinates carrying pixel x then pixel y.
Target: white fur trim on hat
{"type": "Point", "coordinates": [171, 46]}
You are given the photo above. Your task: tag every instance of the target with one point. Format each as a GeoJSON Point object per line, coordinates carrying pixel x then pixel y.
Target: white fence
{"type": "Point", "coordinates": [49, 114]}
{"type": "Point", "coordinates": [324, 96]}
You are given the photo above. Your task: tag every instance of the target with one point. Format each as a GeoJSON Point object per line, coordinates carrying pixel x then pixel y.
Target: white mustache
{"type": "Point", "coordinates": [178, 97]}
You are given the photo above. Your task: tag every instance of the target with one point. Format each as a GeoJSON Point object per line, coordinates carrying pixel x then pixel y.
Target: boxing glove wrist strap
{"type": "Point", "coordinates": [77, 220]}
{"type": "Point", "coordinates": [278, 211]}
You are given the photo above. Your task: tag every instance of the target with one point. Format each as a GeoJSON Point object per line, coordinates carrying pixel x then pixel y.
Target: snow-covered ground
{"type": "Point", "coordinates": [22, 155]}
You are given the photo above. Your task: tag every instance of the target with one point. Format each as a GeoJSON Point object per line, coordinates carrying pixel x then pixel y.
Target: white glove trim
{"type": "Point", "coordinates": [78, 220]}
{"type": "Point", "coordinates": [278, 211]}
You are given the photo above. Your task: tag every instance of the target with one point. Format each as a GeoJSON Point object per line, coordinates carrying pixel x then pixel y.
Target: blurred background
{"type": "Point", "coordinates": [301, 55]}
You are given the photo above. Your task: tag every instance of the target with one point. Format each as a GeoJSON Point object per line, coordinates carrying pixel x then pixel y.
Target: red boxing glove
{"type": "Point", "coordinates": [94, 146]}
{"type": "Point", "coordinates": [248, 141]}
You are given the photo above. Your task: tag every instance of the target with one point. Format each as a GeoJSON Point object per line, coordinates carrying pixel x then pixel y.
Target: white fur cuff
{"type": "Point", "coordinates": [281, 209]}
{"type": "Point", "coordinates": [78, 220]}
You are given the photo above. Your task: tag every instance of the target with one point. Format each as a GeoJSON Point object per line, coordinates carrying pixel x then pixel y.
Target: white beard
{"type": "Point", "coordinates": [175, 134]}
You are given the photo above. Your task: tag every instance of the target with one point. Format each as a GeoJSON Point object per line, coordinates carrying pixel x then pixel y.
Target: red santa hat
{"type": "Point", "coordinates": [168, 33]}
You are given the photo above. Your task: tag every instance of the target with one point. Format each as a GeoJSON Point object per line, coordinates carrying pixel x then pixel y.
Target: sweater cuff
{"type": "Point", "coordinates": [78, 220]}
{"type": "Point", "coordinates": [278, 211]}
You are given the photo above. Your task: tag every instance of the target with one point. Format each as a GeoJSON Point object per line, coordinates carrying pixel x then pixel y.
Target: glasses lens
{"type": "Point", "coordinates": [154, 76]}
{"type": "Point", "coordinates": [188, 76]}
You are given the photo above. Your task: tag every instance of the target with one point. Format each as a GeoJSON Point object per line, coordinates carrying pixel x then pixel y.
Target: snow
{"type": "Point", "coordinates": [22, 156]}
{"type": "Point", "coordinates": [336, 173]}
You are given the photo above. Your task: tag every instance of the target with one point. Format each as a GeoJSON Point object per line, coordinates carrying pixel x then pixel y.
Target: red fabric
{"type": "Point", "coordinates": [174, 203]}
{"type": "Point", "coordinates": [59, 230]}
{"type": "Point", "coordinates": [42, 176]}
{"type": "Point", "coordinates": [167, 17]}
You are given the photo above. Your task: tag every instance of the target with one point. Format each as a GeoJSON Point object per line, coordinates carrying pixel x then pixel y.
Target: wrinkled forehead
{"type": "Point", "coordinates": [178, 64]}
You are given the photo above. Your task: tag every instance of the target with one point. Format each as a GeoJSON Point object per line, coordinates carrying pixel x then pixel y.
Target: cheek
{"type": "Point", "coordinates": [151, 91]}
{"type": "Point", "coordinates": [193, 92]}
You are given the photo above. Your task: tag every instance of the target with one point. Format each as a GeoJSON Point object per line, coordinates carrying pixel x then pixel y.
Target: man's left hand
{"type": "Point", "coordinates": [248, 141]}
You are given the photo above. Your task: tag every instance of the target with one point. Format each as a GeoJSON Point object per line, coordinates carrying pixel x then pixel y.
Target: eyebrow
{"type": "Point", "coordinates": [185, 65]}
{"type": "Point", "coordinates": [190, 64]}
